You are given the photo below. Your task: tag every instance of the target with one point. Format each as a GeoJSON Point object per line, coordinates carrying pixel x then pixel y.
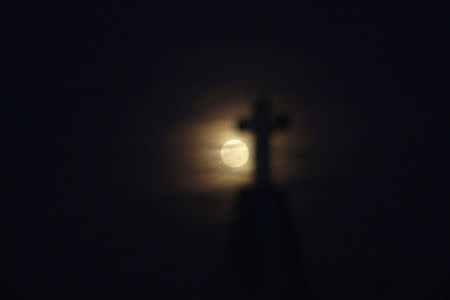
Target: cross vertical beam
{"type": "Point", "coordinates": [262, 124]}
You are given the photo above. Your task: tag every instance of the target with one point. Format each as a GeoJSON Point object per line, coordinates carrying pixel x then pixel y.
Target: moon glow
{"type": "Point", "coordinates": [234, 153]}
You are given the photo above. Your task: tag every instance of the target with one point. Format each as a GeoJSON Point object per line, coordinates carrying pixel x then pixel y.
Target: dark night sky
{"type": "Point", "coordinates": [105, 94]}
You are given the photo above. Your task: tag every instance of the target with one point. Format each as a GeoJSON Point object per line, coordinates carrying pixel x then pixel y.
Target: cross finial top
{"type": "Point", "coordinates": [262, 124]}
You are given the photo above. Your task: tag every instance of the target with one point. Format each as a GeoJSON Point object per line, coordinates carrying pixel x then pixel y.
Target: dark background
{"type": "Point", "coordinates": [89, 217]}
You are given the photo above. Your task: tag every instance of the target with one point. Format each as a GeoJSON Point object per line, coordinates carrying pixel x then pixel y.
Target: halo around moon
{"type": "Point", "coordinates": [234, 153]}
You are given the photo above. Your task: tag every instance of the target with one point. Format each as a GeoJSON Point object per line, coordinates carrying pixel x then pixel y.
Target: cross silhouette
{"type": "Point", "coordinates": [263, 124]}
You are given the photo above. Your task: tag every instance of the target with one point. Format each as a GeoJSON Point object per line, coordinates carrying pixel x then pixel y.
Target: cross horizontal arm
{"type": "Point", "coordinates": [246, 124]}
{"type": "Point", "coordinates": [282, 122]}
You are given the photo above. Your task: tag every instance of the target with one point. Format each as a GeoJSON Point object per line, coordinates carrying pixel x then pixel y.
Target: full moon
{"type": "Point", "coordinates": [234, 153]}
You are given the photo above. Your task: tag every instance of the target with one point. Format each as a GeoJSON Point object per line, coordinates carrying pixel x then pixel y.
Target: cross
{"type": "Point", "coordinates": [262, 124]}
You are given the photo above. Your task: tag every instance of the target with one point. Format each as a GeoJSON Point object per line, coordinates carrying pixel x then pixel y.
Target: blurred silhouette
{"type": "Point", "coordinates": [266, 254]}
{"type": "Point", "coordinates": [262, 125]}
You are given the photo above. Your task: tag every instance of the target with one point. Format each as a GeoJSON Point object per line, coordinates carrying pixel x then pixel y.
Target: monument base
{"type": "Point", "coordinates": [266, 255]}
